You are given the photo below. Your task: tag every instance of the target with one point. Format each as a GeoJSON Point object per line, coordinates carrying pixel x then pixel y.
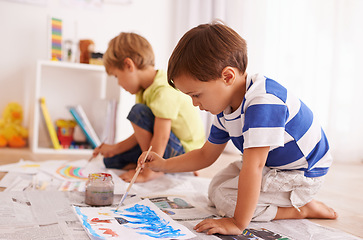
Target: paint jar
{"type": "Point", "coordinates": [99, 189]}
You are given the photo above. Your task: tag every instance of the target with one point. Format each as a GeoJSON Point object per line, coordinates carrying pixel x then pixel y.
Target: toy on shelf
{"type": "Point", "coordinates": [3, 141]}
{"type": "Point", "coordinates": [96, 58]}
{"type": "Point", "coordinates": [79, 139]}
{"type": "Point", "coordinates": [86, 47]}
{"type": "Point", "coordinates": [65, 130]}
{"type": "Point", "coordinates": [56, 39]}
{"type": "Point", "coordinates": [12, 133]}
{"type": "Point", "coordinates": [68, 49]}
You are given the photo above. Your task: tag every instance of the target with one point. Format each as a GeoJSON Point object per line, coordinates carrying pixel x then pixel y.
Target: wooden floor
{"type": "Point", "coordinates": [342, 190]}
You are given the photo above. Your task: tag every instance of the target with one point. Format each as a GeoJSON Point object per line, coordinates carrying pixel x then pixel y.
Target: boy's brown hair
{"type": "Point", "coordinates": [204, 51]}
{"type": "Point", "coordinates": [128, 45]}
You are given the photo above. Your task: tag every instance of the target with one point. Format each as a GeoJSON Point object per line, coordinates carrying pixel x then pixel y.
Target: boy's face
{"type": "Point", "coordinates": [126, 79]}
{"type": "Point", "coordinates": [212, 96]}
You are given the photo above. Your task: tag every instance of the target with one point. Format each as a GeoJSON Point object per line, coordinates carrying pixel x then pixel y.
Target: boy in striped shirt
{"type": "Point", "coordinates": [285, 151]}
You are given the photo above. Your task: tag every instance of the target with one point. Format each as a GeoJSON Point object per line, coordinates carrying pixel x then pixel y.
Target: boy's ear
{"type": "Point", "coordinates": [228, 75]}
{"type": "Point", "coordinates": [129, 64]}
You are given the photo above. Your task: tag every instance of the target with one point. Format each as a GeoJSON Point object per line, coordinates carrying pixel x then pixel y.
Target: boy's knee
{"type": "Point", "coordinates": [224, 201]}
{"type": "Point", "coordinates": [142, 116]}
{"type": "Point", "coordinates": [140, 108]}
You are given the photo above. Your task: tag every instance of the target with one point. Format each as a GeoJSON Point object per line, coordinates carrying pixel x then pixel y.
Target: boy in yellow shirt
{"type": "Point", "coordinates": [162, 117]}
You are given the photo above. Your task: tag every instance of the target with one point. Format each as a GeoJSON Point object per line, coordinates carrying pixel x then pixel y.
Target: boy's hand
{"type": "Point", "coordinates": [225, 226]}
{"type": "Point", "coordinates": [153, 161]}
{"type": "Point", "coordinates": [106, 150]}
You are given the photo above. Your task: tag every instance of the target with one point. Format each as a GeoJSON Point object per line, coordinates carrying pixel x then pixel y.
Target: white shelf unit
{"type": "Point", "coordinates": [64, 84]}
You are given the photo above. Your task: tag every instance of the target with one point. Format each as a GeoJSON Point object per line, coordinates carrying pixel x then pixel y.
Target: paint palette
{"type": "Point", "coordinates": [141, 220]}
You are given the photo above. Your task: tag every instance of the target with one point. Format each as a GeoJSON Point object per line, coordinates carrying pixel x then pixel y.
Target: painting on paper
{"type": "Point", "coordinates": [72, 170]}
{"type": "Point", "coordinates": [141, 220]}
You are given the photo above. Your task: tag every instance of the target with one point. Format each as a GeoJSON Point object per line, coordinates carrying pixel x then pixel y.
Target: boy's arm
{"type": "Point", "coordinates": [160, 138]}
{"type": "Point", "coordinates": [188, 162]}
{"type": "Point", "coordinates": [108, 150]}
{"type": "Point", "coordinates": [249, 186]}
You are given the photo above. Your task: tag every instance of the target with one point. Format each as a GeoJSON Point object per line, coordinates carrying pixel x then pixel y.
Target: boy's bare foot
{"type": "Point", "coordinates": [129, 166]}
{"type": "Point", "coordinates": [316, 209]}
{"type": "Point", "coordinates": [313, 209]}
{"type": "Point", "coordinates": [144, 176]}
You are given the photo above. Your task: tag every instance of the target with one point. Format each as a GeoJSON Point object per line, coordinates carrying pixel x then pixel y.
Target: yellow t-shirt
{"type": "Point", "coordinates": [169, 103]}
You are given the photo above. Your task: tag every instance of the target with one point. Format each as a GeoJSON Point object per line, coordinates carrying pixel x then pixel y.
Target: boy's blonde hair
{"type": "Point", "coordinates": [128, 45]}
{"type": "Point", "coordinates": [204, 51]}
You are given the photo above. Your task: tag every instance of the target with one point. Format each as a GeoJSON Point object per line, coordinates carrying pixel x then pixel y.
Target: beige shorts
{"type": "Point", "coordinates": [278, 189]}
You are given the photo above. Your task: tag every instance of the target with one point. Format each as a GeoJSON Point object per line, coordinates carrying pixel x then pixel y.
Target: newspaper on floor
{"type": "Point", "coordinates": [279, 230]}
{"type": "Point", "coordinates": [191, 208]}
{"type": "Point", "coordinates": [38, 215]}
{"type": "Point", "coordinates": [31, 214]}
{"type": "Point", "coordinates": [188, 207]}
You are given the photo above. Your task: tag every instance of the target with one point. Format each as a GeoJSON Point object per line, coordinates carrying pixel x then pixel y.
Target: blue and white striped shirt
{"type": "Point", "coordinates": [271, 116]}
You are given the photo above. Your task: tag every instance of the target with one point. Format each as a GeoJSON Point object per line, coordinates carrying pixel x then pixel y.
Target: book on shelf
{"type": "Point", "coordinates": [110, 129]}
{"type": "Point", "coordinates": [50, 126]}
{"type": "Point", "coordinates": [103, 114]}
{"type": "Point", "coordinates": [84, 123]}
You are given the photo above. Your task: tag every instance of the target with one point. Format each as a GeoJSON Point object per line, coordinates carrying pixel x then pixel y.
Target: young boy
{"type": "Point", "coordinates": [163, 117]}
{"type": "Point", "coordinates": [285, 151]}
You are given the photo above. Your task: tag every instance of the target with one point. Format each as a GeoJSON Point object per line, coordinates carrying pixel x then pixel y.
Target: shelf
{"type": "Point", "coordinates": [64, 151]}
{"type": "Point", "coordinates": [11, 151]}
{"type": "Point", "coordinates": [69, 65]}
{"type": "Point", "coordinates": [64, 84]}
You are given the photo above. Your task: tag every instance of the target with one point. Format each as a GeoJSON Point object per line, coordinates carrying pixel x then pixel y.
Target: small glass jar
{"type": "Point", "coordinates": [99, 189]}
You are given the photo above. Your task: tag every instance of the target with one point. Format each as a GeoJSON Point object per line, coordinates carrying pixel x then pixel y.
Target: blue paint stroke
{"type": "Point", "coordinates": [153, 225]}
{"type": "Point", "coordinates": [86, 224]}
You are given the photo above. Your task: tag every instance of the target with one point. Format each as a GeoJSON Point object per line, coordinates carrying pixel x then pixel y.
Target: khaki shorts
{"type": "Point", "coordinates": [278, 189]}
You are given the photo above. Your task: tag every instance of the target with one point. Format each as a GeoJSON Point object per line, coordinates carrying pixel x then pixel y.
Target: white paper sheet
{"type": "Point", "coordinates": [142, 220]}
{"type": "Point", "coordinates": [9, 179]}
{"type": "Point", "coordinates": [59, 175]}
{"type": "Point", "coordinates": [28, 167]}
{"type": "Point", "coordinates": [71, 171]}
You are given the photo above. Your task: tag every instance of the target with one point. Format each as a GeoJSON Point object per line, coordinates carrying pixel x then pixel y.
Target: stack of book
{"type": "Point", "coordinates": [101, 130]}
{"type": "Point", "coordinates": [83, 121]}
{"type": "Point", "coordinates": [104, 118]}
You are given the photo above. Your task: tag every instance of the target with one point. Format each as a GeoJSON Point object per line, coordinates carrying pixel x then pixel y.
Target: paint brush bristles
{"type": "Point", "coordinates": [133, 179]}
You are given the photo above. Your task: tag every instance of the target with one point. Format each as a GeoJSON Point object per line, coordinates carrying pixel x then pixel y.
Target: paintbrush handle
{"type": "Point", "coordinates": [138, 170]}
{"type": "Point", "coordinates": [133, 179]}
{"type": "Point", "coordinates": [128, 188]}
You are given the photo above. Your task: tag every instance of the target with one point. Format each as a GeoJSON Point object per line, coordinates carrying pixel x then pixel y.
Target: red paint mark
{"type": "Point", "coordinates": [97, 220]}
{"type": "Point", "coordinates": [109, 231]}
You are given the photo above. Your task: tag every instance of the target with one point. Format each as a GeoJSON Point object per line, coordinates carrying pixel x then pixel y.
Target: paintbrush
{"type": "Point", "coordinates": [92, 157]}
{"type": "Point", "coordinates": [133, 180]}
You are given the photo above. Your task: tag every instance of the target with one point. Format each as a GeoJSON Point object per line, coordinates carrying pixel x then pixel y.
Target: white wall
{"type": "Point", "coordinates": [24, 36]}
{"type": "Point", "coordinates": [312, 46]}
{"type": "Point", "coordinates": [314, 49]}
